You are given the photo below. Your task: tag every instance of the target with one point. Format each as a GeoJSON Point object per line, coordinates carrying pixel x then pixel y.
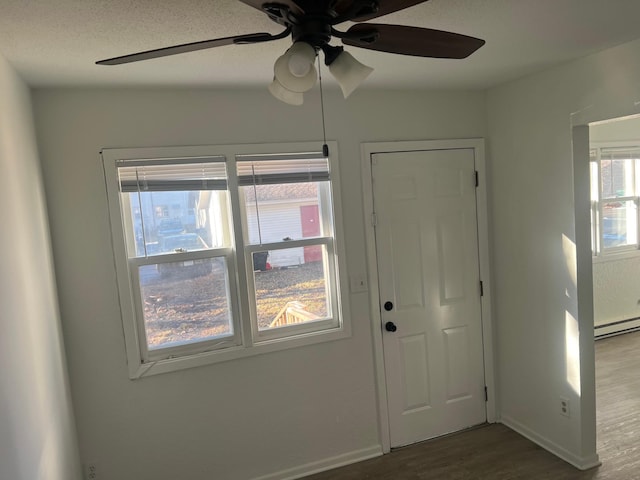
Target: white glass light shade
{"type": "Point", "coordinates": [349, 72]}
{"type": "Point", "coordinates": [285, 95]}
{"type": "Point", "coordinates": [295, 70]}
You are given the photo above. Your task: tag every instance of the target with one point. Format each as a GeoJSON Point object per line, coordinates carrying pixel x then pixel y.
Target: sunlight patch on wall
{"type": "Point", "coordinates": [569, 250]}
{"type": "Point", "coordinates": [572, 352]}
{"type": "Point", "coordinates": [572, 332]}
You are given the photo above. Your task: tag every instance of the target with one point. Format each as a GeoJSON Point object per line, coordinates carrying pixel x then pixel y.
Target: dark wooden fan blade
{"type": "Point", "coordinates": [420, 42]}
{"type": "Point", "coordinates": [385, 7]}
{"type": "Point", "coordinates": [293, 6]}
{"type": "Point", "coordinates": [188, 47]}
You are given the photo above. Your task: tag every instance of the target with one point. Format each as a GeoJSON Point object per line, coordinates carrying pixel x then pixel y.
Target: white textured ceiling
{"type": "Point", "coordinates": [56, 42]}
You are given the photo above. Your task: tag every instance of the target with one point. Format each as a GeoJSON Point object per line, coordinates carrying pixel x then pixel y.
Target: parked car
{"type": "Point", "coordinates": [170, 226]}
{"type": "Point", "coordinates": [185, 242]}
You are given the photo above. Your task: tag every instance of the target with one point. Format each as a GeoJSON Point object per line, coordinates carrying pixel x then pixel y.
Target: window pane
{"type": "Point", "coordinates": [291, 294]}
{"type": "Point", "coordinates": [594, 230]}
{"type": "Point", "coordinates": [619, 224]}
{"type": "Point", "coordinates": [288, 211]}
{"type": "Point", "coordinates": [185, 302]}
{"type": "Point", "coordinates": [617, 177]}
{"type": "Point", "coordinates": [593, 170]}
{"type": "Point", "coordinates": [176, 221]}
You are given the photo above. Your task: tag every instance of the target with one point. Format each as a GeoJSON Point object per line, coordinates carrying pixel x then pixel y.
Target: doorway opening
{"type": "Point", "coordinates": [607, 190]}
{"type": "Point", "coordinates": [614, 148]}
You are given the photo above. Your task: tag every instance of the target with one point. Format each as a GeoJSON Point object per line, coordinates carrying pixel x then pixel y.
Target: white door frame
{"type": "Point", "coordinates": [368, 149]}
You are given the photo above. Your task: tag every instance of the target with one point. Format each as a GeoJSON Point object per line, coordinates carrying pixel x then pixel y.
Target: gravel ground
{"type": "Point", "coordinates": [178, 308]}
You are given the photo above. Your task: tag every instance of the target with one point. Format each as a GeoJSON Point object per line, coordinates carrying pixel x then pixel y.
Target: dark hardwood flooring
{"type": "Point", "coordinates": [495, 452]}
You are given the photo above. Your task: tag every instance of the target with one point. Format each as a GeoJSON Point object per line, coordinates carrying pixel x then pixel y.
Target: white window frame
{"type": "Point", "coordinates": [599, 252]}
{"type": "Point", "coordinates": [247, 340]}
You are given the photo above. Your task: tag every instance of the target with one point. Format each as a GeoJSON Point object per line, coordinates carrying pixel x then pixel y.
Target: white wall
{"type": "Point", "coordinates": [37, 431]}
{"type": "Point", "coordinates": [239, 419]}
{"type": "Point", "coordinates": [542, 281]}
{"type": "Point", "coordinates": [616, 281]}
{"type": "Point", "coordinates": [622, 130]}
{"type": "Point", "coordinates": [616, 290]}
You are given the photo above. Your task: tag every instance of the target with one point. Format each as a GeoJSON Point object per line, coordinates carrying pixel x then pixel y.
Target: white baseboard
{"type": "Point", "coordinates": [325, 464]}
{"type": "Point", "coordinates": [581, 463]}
{"type": "Point", "coordinates": [617, 328]}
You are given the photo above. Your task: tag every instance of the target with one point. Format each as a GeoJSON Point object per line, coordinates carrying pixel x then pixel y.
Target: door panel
{"type": "Point", "coordinates": [451, 261]}
{"type": "Point", "coordinates": [457, 360]}
{"type": "Point", "coordinates": [407, 274]}
{"type": "Point", "coordinates": [415, 380]}
{"type": "Point", "coordinates": [427, 251]}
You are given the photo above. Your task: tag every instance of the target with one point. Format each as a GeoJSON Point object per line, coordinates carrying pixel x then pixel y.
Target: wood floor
{"type": "Point", "coordinates": [495, 452]}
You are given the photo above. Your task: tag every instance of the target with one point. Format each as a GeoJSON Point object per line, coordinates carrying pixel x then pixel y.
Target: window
{"type": "Point", "coordinates": [286, 207]}
{"type": "Point", "coordinates": [242, 258]}
{"type": "Point", "coordinates": [615, 177]}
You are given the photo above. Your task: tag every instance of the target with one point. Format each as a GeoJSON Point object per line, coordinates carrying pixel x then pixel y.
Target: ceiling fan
{"type": "Point", "coordinates": [311, 26]}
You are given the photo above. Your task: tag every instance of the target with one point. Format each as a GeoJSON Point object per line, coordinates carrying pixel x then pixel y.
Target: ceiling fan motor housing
{"type": "Point", "coordinates": [315, 31]}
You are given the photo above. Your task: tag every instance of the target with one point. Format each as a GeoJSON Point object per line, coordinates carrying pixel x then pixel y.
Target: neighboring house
{"type": "Point", "coordinates": [289, 211]}
{"type": "Point", "coordinates": [284, 212]}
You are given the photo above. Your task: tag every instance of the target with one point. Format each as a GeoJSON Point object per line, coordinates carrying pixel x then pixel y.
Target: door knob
{"type": "Point", "coordinates": [388, 306]}
{"type": "Point", "coordinates": [390, 327]}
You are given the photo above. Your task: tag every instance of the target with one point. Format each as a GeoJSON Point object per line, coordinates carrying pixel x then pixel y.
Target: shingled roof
{"type": "Point", "coordinates": [281, 191]}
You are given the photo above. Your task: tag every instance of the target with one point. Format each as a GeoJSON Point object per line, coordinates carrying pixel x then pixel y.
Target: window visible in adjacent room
{"type": "Point", "coordinates": [223, 252]}
{"type": "Point", "coordinates": [615, 178]}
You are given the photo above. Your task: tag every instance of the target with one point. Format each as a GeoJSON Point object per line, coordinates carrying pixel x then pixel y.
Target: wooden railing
{"type": "Point", "coordinates": [292, 312]}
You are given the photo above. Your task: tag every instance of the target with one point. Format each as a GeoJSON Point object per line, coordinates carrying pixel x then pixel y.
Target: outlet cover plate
{"type": "Point", "coordinates": [358, 283]}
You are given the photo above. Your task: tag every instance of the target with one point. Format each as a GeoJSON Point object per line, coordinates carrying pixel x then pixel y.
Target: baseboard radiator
{"type": "Point", "coordinates": [617, 328]}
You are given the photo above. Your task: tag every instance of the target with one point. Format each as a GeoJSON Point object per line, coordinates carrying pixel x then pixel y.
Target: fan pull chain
{"type": "Point", "coordinates": [325, 147]}
{"type": "Point", "coordinates": [255, 194]}
{"type": "Point", "coordinates": [142, 224]}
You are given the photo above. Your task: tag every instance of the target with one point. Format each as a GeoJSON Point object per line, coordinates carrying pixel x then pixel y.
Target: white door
{"type": "Point", "coordinates": [427, 251]}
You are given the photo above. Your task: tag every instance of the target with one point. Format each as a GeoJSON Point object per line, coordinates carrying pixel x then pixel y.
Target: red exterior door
{"type": "Point", "coordinates": [311, 228]}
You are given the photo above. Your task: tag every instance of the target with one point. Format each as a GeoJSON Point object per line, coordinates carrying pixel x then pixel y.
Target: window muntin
{"type": "Point", "coordinates": [205, 195]}
{"type": "Point", "coordinates": [615, 177]}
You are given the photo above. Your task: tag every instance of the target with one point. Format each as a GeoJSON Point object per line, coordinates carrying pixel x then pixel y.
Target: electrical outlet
{"type": "Point", "coordinates": [565, 409]}
{"type": "Point", "coordinates": [91, 472]}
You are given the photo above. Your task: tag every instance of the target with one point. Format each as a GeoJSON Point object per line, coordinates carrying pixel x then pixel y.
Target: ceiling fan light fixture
{"type": "Point", "coordinates": [349, 72]}
{"type": "Point", "coordinates": [285, 95]}
{"type": "Point", "coordinates": [301, 57]}
{"type": "Point", "coordinates": [295, 70]}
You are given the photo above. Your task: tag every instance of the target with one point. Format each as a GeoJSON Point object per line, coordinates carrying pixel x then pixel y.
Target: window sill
{"type": "Point", "coordinates": [158, 367]}
{"type": "Point", "coordinates": [616, 256]}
